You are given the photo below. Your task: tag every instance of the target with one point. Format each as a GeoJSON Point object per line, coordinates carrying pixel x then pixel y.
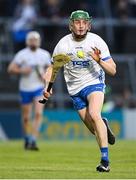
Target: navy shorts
{"type": "Point", "coordinates": [28, 96]}
{"type": "Point", "coordinates": [80, 99]}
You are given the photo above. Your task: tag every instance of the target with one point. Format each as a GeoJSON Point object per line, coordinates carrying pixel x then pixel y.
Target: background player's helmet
{"type": "Point", "coordinates": [79, 14]}
{"type": "Point", "coordinates": [33, 35]}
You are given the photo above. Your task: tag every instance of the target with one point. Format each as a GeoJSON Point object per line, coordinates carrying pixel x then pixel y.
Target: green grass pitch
{"type": "Point", "coordinates": [66, 160]}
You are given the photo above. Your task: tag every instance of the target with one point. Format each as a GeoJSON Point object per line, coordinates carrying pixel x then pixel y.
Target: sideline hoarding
{"type": "Point", "coordinates": [59, 124]}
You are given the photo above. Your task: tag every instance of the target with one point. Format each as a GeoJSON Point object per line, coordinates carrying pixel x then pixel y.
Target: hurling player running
{"type": "Point", "coordinates": [85, 78]}
{"type": "Point", "coordinates": [30, 64]}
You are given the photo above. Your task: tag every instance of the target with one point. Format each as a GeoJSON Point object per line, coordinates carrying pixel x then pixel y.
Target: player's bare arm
{"type": "Point", "coordinates": [59, 61]}
{"type": "Point", "coordinates": [47, 75]}
{"type": "Point", "coordinates": [47, 78]}
{"type": "Point", "coordinates": [15, 69]}
{"type": "Point", "coordinates": [108, 66]}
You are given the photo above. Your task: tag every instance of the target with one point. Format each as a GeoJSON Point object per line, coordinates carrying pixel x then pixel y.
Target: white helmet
{"type": "Point", "coordinates": [33, 35]}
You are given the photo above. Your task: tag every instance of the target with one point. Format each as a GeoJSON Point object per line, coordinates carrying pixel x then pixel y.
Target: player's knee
{"type": "Point", "coordinates": [95, 116]}
{"type": "Point", "coordinates": [25, 119]}
{"type": "Point", "coordinates": [38, 115]}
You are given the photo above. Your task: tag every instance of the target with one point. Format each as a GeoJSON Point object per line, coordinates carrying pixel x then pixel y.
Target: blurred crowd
{"type": "Point", "coordinates": [62, 8]}
{"type": "Point", "coordinates": [26, 13]}
{"type": "Point", "coordinates": [118, 101]}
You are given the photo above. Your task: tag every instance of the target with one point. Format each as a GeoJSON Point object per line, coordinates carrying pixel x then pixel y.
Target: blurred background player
{"type": "Point", "coordinates": [85, 78]}
{"type": "Point", "coordinates": [30, 63]}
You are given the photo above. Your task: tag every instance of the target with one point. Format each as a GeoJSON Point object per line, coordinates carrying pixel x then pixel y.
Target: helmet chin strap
{"type": "Point", "coordinates": [79, 37]}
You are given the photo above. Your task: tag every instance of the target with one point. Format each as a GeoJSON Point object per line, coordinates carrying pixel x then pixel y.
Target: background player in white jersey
{"type": "Point", "coordinates": [31, 63]}
{"type": "Point", "coordinates": [85, 78]}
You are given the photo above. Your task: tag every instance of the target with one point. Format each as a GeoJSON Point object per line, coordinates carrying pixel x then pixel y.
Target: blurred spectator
{"type": "Point", "coordinates": [128, 99]}
{"type": "Point", "coordinates": [119, 8]}
{"type": "Point", "coordinates": [125, 100]}
{"type": "Point", "coordinates": [90, 6]}
{"type": "Point", "coordinates": [109, 104]}
{"type": "Point", "coordinates": [122, 13]}
{"type": "Point", "coordinates": [55, 9]}
{"type": "Point", "coordinates": [10, 7]}
{"type": "Point", "coordinates": [25, 17]}
{"type": "Point", "coordinates": [119, 102]}
{"type": "Point", "coordinates": [3, 8]}
{"type": "Point", "coordinates": [7, 7]}
{"type": "Point", "coordinates": [69, 5]}
{"type": "Point", "coordinates": [122, 9]}
{"type": "Point", "coordinates": [132, 4]}
{"type": "Point", "coordinates": [51, 9]}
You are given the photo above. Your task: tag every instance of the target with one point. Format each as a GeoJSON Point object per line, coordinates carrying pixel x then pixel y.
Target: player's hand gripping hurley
{"type": "Point", "coordinates": [58, 61]}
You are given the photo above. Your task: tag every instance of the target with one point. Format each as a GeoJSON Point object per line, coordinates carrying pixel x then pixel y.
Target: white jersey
{"type": "Point", "coordinates": [82, 70]}
{"type": "Point", "coordinates": [37, 60]}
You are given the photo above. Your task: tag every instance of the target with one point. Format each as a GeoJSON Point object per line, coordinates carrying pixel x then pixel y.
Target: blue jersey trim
{"type": "Point", "coordinates": [106, 58]}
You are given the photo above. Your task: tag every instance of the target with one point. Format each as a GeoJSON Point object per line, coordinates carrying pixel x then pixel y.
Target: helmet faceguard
{"type": "Point", "coordinates": [77, 15]}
